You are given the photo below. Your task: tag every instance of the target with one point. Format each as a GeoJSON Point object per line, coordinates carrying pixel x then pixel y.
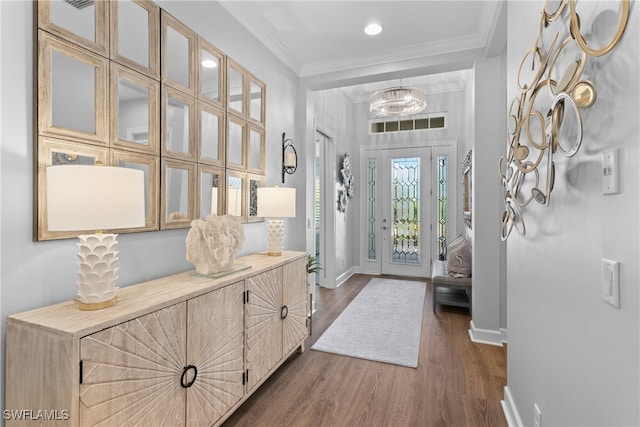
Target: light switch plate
{"type": "Point", "coordinates": [611, 282]}
{"type": "Point", "coordinates": [537, 416]}
{"type": "Point", "coordinates": [610, 172]}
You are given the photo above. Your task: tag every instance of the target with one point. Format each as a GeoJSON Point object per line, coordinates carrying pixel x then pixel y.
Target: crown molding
{"type": "Point", "coordinates": [257, 26]}
{"type": "Point", "coordinates": [253, 23]}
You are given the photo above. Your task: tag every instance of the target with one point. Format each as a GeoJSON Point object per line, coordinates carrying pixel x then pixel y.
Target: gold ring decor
{"type": "Point", "coordinates": [575, 30]}
{"type": "Point", "coordinates": [563, 85]}
{"type": "Point", "coordinates": [552, 16]}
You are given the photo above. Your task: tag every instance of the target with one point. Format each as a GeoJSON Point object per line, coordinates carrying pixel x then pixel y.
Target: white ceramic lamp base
{"type": "Point", "coordinates": [275, 237]}
{"type": "Point", "coordinates": [97, 273]}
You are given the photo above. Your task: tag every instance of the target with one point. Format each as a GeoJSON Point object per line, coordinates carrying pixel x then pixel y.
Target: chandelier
{"type": "Point", "coordinates": [397, 101]}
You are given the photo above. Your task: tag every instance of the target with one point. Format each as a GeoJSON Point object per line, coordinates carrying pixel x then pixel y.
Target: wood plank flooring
{"type": "Point", "coordinates": [457, 382]}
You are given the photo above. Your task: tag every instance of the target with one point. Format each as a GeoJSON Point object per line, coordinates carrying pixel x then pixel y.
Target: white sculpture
{"type": "Point", "coordinates": [213, 242]}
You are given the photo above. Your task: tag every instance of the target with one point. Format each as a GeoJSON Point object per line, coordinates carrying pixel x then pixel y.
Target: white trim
{"type": "Point", "coordinates": [485, 336]}
{"type": "Point", "coordinates": [510, 410]}
{"type": "Point", "coordinates": [327, 216]}
{"type": "Point", "coordinates": [344, 276]}
{"type": "Point", "coordinates": [503, 332]}
{"type": "Point", "coordinates": [414, 144]}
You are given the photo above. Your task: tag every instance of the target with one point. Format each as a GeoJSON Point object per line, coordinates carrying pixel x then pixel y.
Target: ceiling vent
{"type": "Point", "coordinates": [80, 4]}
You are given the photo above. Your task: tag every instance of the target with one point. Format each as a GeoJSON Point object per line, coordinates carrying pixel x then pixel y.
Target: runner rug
{"type": "Point", "coordinates": [382, 323]}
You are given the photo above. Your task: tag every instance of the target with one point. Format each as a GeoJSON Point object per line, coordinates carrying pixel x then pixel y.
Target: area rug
{"type": "Point", "coordinates": [382, 323]}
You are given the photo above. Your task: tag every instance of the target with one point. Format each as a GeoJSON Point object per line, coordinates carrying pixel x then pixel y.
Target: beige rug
{"type": "Point", "coordinates": [382, 323]}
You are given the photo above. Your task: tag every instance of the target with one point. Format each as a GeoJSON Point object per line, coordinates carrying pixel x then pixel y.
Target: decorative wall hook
{"type": "Point", "coordinates": [289, 158]}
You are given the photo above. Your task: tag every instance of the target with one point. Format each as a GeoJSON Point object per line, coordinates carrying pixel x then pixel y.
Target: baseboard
{"type": "Point", "coordinates": [344, 277]}
{"type": "Point", "coordinates": [485, 336]}
{"type": "Point", "coordinates": [503, 333]}
{"type": "Point", "coordinates": [510, 410]}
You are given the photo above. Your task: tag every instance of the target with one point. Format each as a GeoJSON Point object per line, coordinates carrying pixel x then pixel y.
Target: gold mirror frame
{"type": "Point", "coordinates": [153, 156]}
{"type": "Point", "coordinates": [206, 193]}
{"type": "Point", "coordinates": [152, 183]}
{"type": "Point", "coordinates": [151, 130]}
{"type": "Point", "coordinates": [177, 218]}
{"type": "Point", "coordinates": [152, 69]}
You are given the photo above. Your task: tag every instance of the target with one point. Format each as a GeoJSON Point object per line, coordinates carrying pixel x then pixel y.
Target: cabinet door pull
{"type": "Point", "coordinates": [284, 311]}
{"type": "Point", "coordinates": [183, 382]}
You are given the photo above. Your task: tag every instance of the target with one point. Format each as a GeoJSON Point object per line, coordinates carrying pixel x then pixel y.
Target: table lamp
{"type": "Point", "coordinates": [276, 202]}
{"type": "Point", "coordinates": [81, 198]}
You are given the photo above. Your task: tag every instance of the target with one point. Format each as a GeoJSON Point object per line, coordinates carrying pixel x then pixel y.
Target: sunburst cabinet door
{"type": "Point", "coordinates": [131, 372]}
{"type": "Point", "coordinates": [295, 296]}
{"type": "Point", "coordinates": [264, 327]}
{"type": "Point", "coordinates": [215, 345]}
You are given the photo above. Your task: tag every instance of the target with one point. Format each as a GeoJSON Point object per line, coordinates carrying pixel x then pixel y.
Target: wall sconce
{"type": "Point", "coordinates": [289, 159]}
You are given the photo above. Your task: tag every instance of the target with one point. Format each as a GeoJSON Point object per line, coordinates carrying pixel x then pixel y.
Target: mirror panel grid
{"type": "Point", "coordinates": [212, 191]}
{"type": "Point", "coordinates": [150, 165]}
{"type": "Point", "coordinates": [253, 183]}
{"type": "Point", "coordinates": [212, 72]}
{"type": "Point", "coordinates": [211, 139]}
{"type": "Point", "coordinates": [72, 101]}
{"type": "Point", "coordinates": [83, 23]}
{"type": "Point", "coordinates": [235, 87]}
{"type": "Point", "coordinates": [52, 152]}
{"type": "Point", "coordinates": [256, 150]}
{"type": "Point", "coordinates": [179, 124]}
{"type": "Point", "coordinates": [124, 83]}
{"type": "Point", "coordinates": [236, 204]}
{"type": "Point", "coordinates": [135, 107]}
{"type": "Point", "coordinates": [135, 35]}
{"type": "Point", "coordinates": [257, 97]}
{"type": "Point", "coordinates": [178, 55]}
{"type": "Point", "coordinates": [178, 194]}
{"type": "Point", "coordinates": [236, 135]}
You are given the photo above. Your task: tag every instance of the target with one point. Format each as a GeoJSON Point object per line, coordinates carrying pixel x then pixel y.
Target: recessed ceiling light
{"type": "Point", "coordinates": [209, 63]}
{"type": "Point", "coordinates": [373, 29]}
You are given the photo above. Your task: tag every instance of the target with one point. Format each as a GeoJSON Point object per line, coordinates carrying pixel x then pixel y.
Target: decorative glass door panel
{"type": "Point", "coordinates": [405, 193]}
{"type": "Point", "coordinates": [405, 217]}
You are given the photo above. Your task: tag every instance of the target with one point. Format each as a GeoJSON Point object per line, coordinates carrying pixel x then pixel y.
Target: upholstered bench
{"type": "Point", "coordinates": [449, 290]}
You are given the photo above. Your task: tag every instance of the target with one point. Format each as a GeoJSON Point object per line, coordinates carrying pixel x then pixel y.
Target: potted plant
{"type": "Point", "coordinates": [313, 266]}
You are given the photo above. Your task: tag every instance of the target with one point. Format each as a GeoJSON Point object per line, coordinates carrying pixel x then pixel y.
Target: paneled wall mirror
{"type": "Point", "coordinates": [124, 83]}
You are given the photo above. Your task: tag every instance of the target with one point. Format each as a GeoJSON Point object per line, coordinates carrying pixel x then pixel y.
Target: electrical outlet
{"type": "Point", "coordinates": [537, 416]}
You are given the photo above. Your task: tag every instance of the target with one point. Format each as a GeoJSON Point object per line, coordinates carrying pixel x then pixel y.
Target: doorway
{"type": "Point", "coordinates": [405, 206]}
{"type": "Point", "coordinates": [408, 208]}
{"type": "Point", "coordinates": [323, 218]}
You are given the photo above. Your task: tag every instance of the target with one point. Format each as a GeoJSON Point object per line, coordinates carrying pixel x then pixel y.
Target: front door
{"type": "Point", "coordinates": [405, 211]}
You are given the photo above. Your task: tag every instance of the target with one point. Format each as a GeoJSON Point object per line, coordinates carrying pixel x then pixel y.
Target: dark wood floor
{"type": "Point", "coordinates": [457, 382]}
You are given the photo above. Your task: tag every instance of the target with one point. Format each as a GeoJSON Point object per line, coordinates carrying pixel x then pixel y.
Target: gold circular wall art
{"type": "Point", "coordinates": [535, 117]}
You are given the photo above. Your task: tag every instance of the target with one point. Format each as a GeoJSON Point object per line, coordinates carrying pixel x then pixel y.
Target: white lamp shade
{"type": "Point", "coordinates": [276, 202]}
{"type": "Point", "coordinates": [93, 198]}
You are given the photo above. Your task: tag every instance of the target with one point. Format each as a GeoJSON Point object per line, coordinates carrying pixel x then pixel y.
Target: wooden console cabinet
{"type": "Point", "coordinates": [180, 350]}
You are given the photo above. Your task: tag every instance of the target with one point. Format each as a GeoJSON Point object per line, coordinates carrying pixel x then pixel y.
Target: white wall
{"type": "Point", "coordinates": [334, 114]}
{"type": "Point", "coordinates": [570, 352]}
{"type": "Point", "coordinates": [487, 204]}
{"type": "Point", "coordinates": [38, 274]}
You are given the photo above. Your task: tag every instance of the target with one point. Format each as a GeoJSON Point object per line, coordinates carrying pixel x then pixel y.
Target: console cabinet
{"type": "Point", "coordinates": [276, 313]}
{"type": "Point", "coordinates": [180, 350]}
